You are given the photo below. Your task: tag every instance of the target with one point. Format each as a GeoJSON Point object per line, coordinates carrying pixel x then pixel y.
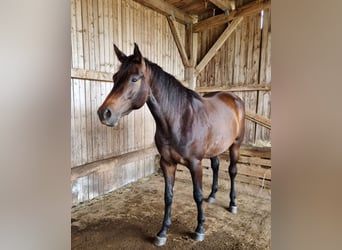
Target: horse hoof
{"type": "Point", "coordinates": [211, 200]}
{"type": "Point", "coordinates": [199, 236]}
{"type": "Point", "coordinates": [233, 209]}
{"type": "Point", "coordinates": [160, 241]}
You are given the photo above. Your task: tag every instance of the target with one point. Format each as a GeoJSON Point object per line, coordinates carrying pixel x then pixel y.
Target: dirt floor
{"type": "Point", "coordinates": [130, 217]}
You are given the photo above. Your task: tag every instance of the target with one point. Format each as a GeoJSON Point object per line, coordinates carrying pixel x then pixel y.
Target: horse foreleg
{"type": "Point", "coordinates": [169, 171]}
{"type": "Point", "coordinates": [215, 162]}
{"type": "Point", "coordinates": [196, 175]}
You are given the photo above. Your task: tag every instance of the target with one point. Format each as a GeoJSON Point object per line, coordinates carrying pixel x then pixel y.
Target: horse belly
{"type": "Point", "coordinates": [218, 146]}
{"type": "Point", "coordinates": [221, 136]}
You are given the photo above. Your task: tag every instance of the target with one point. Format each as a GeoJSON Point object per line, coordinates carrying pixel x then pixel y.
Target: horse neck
{"type": "Point", "coordinates": [163, 88]}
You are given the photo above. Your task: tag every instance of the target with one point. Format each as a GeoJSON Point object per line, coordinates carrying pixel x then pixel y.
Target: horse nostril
{"type": "Point", "coordinates": [107, 114]}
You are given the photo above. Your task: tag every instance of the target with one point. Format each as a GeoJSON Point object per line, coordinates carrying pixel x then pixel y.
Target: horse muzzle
{"type": "Point", "coordinates": [108, 117]}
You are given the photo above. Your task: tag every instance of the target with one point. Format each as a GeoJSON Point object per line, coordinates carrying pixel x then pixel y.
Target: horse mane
{"type": "Point", "coordinates": [175, 96]}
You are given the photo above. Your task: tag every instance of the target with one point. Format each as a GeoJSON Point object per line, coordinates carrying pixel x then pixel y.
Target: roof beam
{"type": "Point", "coordinates": [217, 45]}
{"type": "Point", "coordinates": [247, 10]}
{"type": "Point", "coordinates": [224, 4]}
{"type": "Point", "coordinates": [167, 9]}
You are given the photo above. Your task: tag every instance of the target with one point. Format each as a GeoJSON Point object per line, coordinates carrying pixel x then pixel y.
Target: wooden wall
{"type": "Point", "coordinates": [243, 60]}
{"type": "Point", "coordinates": [95, 26]}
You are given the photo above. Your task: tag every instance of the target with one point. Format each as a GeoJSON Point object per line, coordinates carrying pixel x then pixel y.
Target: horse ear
{"type": "Point", "coordinates": [137, 54]}
{"type": "Point", "coordinates": [121, 56]}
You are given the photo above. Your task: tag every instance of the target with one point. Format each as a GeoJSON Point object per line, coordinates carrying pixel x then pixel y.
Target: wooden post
{"type": "Point", "coordinates": [191, 40]}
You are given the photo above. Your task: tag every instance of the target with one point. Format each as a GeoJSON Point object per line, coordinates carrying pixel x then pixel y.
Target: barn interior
{"type": "Point", "coordinates": [209, 45]}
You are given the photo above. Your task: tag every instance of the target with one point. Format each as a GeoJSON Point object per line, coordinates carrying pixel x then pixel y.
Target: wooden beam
{"type": "Point", "coordinates": [102, 165]}
{"type": "Point", "coordinates": [223, 4]}
{"type": "Point", "coordinates": [263, 121]}
{"type": "Point", "coordinates": [261, 152]}
{"type": "Point", "coordinates": [220, 41]}
{"type": "Point", "coordinates": [249, 160]}
{"type": "Point", "coordinates": [167, 9]}
{"type": "Point", "coordinates": [180, 47]}
{"type": "Point", "coordinates": [85, 74]}
{"type": "Point", "coordinates": [234, 88]}
{"type": "Point", "coordinates": [247, 10]}
{"type": "Point", "coordinates": [191, 47]}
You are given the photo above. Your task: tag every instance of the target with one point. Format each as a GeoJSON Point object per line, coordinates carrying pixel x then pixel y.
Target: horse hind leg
{"type": "Point", "coordinates": [215, 163]}
{"type": "Point", "coordinates": [234, 153]}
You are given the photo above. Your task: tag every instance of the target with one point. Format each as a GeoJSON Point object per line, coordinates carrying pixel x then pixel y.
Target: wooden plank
{"type": "Point", "coordinates": [247, 10]}
{"type": "Point", "coordinates": [220, 41]}
{"type": "Point", "coordinates": [73, 34]}
{"type": "Point", "coordinates": [230, 44]}
{"type": "Point", "coordinates": [265, 43]}
{"type": "Point", "coordinates": [85, 33]}
{"type": "Point", "coordinates": [264, 98]}
{"type": "Point", "coordinates": [73, 131]}
{"type": "Point", "coordinates": [184, 175]}
{"type": "Point", "coordinates": [85, 74]}
{"type": "Point", "coordinates": [237, 50]}
{"type": "Point", "coordinates": [79, 35]}
{"type": "Point", "coordinates": [258, 119]}
{"type": "Point", "coordinates": [249, 160]}
{"type": "Point", "coordinates": [256, 50]}
{"type": "Point", "coordinates": [138, 114]}
{"type": "Point", "coordinates": [245, 167]}
{"type": "Point", "coordinates": [233, 88]}
{"type": "Point", "coordinates": [177, 39]}
{"type": "Point", "coordinates": [91, 36]}
{"type": "Point", "coordinates": [256, 152]}
{"type": "Point", "coordinates": [264, 109]}
{"type": "Point", "coordinates": [125, 49]}
{"type": "Point", "coordinates": [262, 183]}
{"type": "Point", "coordinates": [80, 89]}
{"type": "Point", "coordinates": [77, 153]}
{"type": "Point", "coordinates": [249, 55]}
{"type": "Point", "coordinates": [98, 39]}
{"type": "Point", "coordinates": [86, 169]}
{"type": "Point", "coordinates": [243, 52]}
{"type": "Point", "coordinates": [167, 9]}
{"type": "Point", "coordinates": [89, 113]}
{"type": "Point", "coordinates": [131, 142]}
{"type": "Point", "coordinates": [107, 44]}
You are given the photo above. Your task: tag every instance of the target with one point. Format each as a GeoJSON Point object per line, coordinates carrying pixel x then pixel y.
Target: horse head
{"type": "Point", "coordinates": [130, 90]}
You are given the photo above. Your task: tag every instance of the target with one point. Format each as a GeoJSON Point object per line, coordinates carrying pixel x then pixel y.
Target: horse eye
{"type": "Point", "coordinates": [134, 79]}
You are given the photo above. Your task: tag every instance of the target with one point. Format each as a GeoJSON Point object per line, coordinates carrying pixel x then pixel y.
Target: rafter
{"type": "Point", "coordinates": [220, 41]}
{"type": "Point", "coordinates": [247, 10]}
{"type": "Point", "coordinates": [167, 9]}
{"type": "Point", "coordinates": [180, 47]}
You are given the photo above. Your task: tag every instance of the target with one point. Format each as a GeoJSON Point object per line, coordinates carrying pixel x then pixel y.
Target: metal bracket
{"type": "Point", "coordinates": [227, 12]}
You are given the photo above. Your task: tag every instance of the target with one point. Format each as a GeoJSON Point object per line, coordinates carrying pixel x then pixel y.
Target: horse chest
{"type": "Point", "coordinates": [170, 152]}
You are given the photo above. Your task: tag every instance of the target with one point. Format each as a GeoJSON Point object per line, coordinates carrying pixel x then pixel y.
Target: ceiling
{"type": "Point", "coordinates": [207, 7]}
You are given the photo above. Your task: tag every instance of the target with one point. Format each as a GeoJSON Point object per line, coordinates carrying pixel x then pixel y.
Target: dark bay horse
{"type": "Point", "coordinates": [188, 127]}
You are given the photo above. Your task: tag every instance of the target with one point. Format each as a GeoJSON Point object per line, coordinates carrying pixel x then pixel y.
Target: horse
{"type": "Point", "coordinates": [189, 127]}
